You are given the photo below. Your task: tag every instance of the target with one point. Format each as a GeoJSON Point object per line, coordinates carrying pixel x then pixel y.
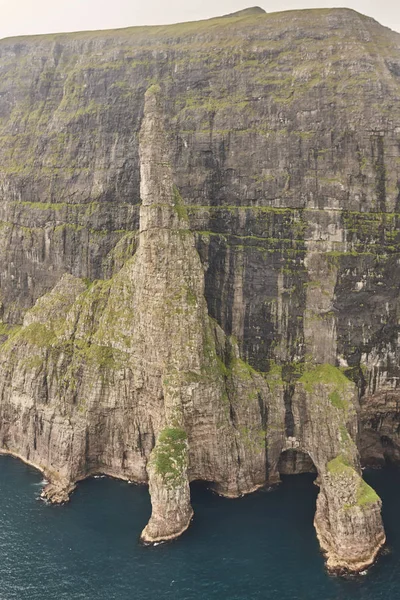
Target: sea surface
{"type": "Point", "coordinates": [262, 546]}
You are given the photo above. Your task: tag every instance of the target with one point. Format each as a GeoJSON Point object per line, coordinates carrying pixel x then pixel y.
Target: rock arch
{"type": "Point", "coordinates": [295, 462]}
{"type": "Point", "coordinates": [347, 520]}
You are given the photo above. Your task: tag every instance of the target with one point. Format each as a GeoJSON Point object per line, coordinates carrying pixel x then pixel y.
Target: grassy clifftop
{"type": "Point", "coordinates": [245, 17]}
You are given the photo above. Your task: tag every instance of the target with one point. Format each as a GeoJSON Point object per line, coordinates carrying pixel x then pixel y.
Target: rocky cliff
{"type": "Point", "coordinates": [200, 261]}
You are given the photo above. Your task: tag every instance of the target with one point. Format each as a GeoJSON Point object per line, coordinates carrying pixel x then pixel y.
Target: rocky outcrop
{"type": "Point", "coordinates": [217, 337]}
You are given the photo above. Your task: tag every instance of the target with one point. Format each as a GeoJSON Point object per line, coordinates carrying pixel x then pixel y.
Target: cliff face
{"type": "Point", "coordinates": [200, 280]}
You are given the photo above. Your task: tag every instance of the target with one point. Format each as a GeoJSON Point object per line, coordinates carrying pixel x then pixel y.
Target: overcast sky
{"type": "Point", "coordinates": [22, 17]}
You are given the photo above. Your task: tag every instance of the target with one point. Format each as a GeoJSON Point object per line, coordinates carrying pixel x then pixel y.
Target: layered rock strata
{"type": "Point", "coordinates": [284, 131]}
{"type": "Point", "coordinates": [131, 377]}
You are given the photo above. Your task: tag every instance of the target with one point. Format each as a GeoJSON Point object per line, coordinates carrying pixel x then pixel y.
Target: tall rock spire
{"type": "Point", "coordinates": [197, 437]}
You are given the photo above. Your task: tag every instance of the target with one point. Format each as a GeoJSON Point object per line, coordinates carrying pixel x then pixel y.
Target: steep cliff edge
{"type": "Point", "coordinates": [165, 340]}
{"type": "Point", "coordinates": [139, 382]}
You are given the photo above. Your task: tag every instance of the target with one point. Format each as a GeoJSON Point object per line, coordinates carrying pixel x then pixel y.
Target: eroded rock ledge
{"type": "Point", "coordinates": [131, 377]}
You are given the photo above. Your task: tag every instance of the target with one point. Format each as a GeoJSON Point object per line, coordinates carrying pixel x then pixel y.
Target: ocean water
{"type": "Point", "coordinates": [262, 546]}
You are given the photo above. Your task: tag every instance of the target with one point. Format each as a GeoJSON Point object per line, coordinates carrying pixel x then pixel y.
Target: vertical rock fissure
{"type": "Point", "coordinates": [289, 418]}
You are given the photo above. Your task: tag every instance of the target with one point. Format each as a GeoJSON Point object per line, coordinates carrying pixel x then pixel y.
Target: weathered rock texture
{"type": "Point", "coordinates": [218, 329]}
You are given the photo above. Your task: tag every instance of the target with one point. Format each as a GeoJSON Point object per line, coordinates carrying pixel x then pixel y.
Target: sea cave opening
{"type": "Point", "coordinates": [295, 462]}
{"type": "Point", "coordinates": [298, 493]}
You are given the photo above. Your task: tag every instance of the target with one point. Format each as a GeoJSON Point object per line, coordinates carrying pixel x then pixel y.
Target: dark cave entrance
{"type": "Point", "coordinates": [390, 451]}
{"type": "Point", "coordinates": [295, 462]}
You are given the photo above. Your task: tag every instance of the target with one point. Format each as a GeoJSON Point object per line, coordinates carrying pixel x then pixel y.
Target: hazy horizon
{"type": "Point", "coordinates": [25, 17]}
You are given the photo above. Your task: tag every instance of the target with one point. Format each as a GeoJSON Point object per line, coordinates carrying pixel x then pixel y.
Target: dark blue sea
{"type": "Point", "coordinates": [262, 546]}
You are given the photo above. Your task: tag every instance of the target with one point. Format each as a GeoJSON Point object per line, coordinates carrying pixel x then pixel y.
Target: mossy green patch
{"type": "Point", "coordinates": [170, 455]}
{"type": "Point", "coordinates": [122, 251]}
{"type": "Point", "coordinates": [33, 362]}
{"type": "Point", "coordinates": [344, 435]}
{"type": "Point", "coordinates": [43, 205]}
{"type": "Point", "coordinates": [331, 376]}
{"type": "Point", "coordinates": [179, 205]}
{"type": "Point", "coordinates": [8, 330]}
{"type": "Point", "coordinates": [153, 90]}
{"type": "Point", "coordinates": [339, 465]}
{"type": "Point", "coordinates": [274, 377]}
{"type": "Point", "coordinates": [366, 494]}
{"type": "Point", "coordinates": [242, 369]}
{"type": "Point", "coordinates": [38, 335]}
{"type": "Point", "coordinates": [103, 357]}
{"type": "Point", "coordinates": [253, 438]}
{"type": "Point", "coordinates": [337, 400]}
{"type": "Point", "coordinates": [191, 297]}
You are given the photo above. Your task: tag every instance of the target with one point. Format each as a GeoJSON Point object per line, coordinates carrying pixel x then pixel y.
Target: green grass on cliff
{"type": "Point", "coordinates": [37, 334]}
{"type": "Point", "coordinates": [179, 205]}
{"type": "Point", "coordinates": [245, 17]}
{"type": "Point", "coordinates": [51, 332]}
{"type": "Point", "coordinates": [8, 330]}
{"type": "Point", "coordinates": [170, 455]}
{"type": "Point", "coordinates": [241, 369]}
{"type": "Point", "coordinates": [274, 377]}
{"type": "Point", "coordinates": [331, 376]}
{"type": "Point", "coordinates": [339, 465]}
{"type": "Point", "coordinates": [224, 21]}
{"type": "Point", "coordinates": [365, 494]}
